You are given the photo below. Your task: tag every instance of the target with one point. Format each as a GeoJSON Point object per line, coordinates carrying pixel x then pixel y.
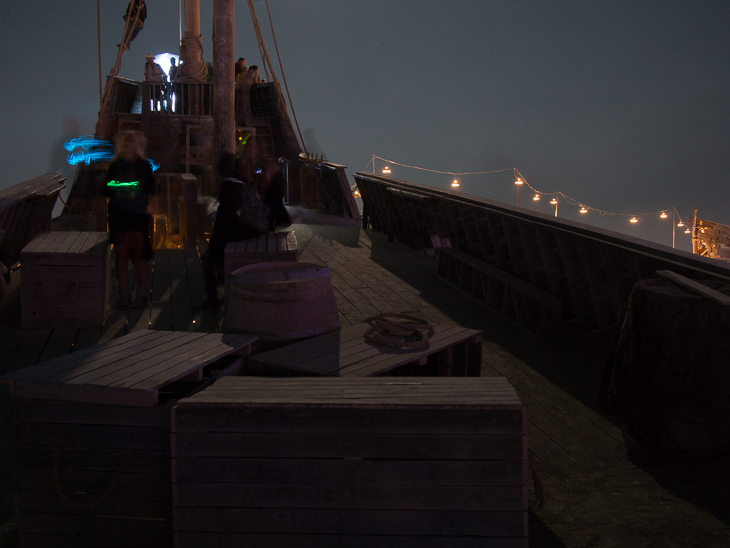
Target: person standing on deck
{"type": "Point", "coordinates": [155, 74]}
{"type": "Point", "coordinates": [240, 69]}
{"type": "Point", "coordinates": [129, 185]}
{"type": "Point", "coordinates": [241, 215]}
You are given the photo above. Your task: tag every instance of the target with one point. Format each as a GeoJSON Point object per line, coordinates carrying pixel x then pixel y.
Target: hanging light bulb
{"type": "Point", "coordinates": [687, 231]}
{"type": "Point", "coordinates": [583, 210]}
{"type": "Point", "coordinates": [519, 181]}
{"type": "Point", "coordinates": [634, 220]}
{"type": "Point", "coordinates": [455, 183]}
{"type": "Point", "coordinates": [663, 215]}
{"type": "Point", "coordinates": [355, 191]}
{"type": "Point", "coordinates": [680, 223]}
{"type": "Point", "coordinates": [536, 197]}
{"type": "Point", "coordinates": [554, 201]}
{"type": "Point", "coordinates": [386, 169]}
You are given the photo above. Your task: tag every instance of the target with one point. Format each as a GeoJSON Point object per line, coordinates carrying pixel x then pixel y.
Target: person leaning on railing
{"type": "Point", "coordinates": [155, 74]}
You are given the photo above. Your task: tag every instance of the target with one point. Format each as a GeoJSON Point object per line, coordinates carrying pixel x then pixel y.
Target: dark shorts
{"type": "Point", "coordinates": [120, 222]}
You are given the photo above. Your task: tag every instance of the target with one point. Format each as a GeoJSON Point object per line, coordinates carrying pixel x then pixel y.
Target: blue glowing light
{"type": "Point", "coordinates": [155, 166]}
{"type": "Point", "coordinates": [86, 142]}
{"type": "Point", "coordinates": [88, 157]}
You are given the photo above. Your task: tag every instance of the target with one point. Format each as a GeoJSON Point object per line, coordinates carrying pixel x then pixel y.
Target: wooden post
{"type": "Point", "coordinates": [223, 77]}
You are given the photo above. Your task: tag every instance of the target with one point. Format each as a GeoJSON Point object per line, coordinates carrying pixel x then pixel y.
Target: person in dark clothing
{"type": "Point", "coordinates": [129, 184]}
{"type": "Point", "coordinates": [134, 18]}
{"type": "Point", "coordinates": [241, 215]}
{"type": "Point", "coordinates": [271, 183]}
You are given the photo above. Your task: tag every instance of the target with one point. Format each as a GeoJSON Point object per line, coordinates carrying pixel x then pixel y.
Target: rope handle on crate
{"type": "Point", "coordinates": [59, 301]}
{"type": "Point", "coordinates": [101, 498]}
{"type": "Point", "coordinates": [392, 333]}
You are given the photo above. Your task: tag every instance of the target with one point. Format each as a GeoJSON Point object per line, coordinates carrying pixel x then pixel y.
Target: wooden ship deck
{"type": "Point", "coordinates": [591, 493]}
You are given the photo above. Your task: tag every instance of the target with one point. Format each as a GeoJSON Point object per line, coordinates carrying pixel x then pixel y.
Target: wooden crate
{"type": "Point", "coordinates": [65, 280]}
{"type": "Point", "coordinates": [93, 433]}
{"type": "Point", "coordinates": [269, 247]}
{"type": "Point", "coordinates": [453, 351]}
{"type": "Point", "coordinates": [351, 462]}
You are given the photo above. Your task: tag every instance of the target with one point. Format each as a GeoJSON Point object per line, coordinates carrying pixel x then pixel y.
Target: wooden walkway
{"type": "Point", "coordinates": [593, 494]}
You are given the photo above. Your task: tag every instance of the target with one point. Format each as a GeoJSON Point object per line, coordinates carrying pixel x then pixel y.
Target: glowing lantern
{"type": "Point", "coordinates": [554, 201]}
{"type": "Point", "coordinates": [536, 197]}
{"type": "Point", "coordinates": [663, 215]}
{"type": "Point", "coordinates": [455, 183]}
{"type": "Point", "coordinates": [634, 220]}
{"type": "Point", "coordinates": [680, 223]}
{"type": "Point", "coordinates": [519, 181]}
{"type": "Point", "coordinates": [386, 169]}
{"type": "Point", "coordinates": [583, 210]}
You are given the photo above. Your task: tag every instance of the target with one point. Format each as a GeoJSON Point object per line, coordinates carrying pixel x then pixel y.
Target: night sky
{"type": "Point", "coordinates": [622, 105]}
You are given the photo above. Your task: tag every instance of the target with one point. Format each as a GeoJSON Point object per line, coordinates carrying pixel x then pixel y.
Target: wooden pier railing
{"type": "Point", "coordinates": [25, 210]}
{"type": "Point", "coordinates": [536, 270]}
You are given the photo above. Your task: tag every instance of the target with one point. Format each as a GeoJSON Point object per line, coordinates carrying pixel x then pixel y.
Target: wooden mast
{"type": "Point", "coordinates": [224, 125]}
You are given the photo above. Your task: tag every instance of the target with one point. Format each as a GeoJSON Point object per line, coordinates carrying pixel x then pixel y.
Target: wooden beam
{"type": "Point", "coordinates": [697, 287]}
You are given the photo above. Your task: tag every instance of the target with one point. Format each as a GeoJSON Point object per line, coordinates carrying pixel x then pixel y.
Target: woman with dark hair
{"type": "Point", "coordinates": [241, 215]}
{"type": "Point", "coordinates": [129, 185]}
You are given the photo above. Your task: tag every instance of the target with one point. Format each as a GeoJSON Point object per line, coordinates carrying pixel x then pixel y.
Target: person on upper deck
{"type": "Point", "coordinates": [240, 68]}
{"type": "Point", "coordinates": [156, 74]}
{"type": "Point", "coordinates": [134, 19]}
{"type": "Point", "coordinates": [129, 183]}
{"type": "Point", "coordinates": [241, 215]}
{"type": "Point", "coordinates": [252, 77]}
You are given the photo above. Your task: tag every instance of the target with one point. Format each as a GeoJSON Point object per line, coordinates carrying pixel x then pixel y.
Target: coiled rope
{"type": "Point", "coordinates": [193, 69]}
{"type": "Point", "coordinates": [410, 334]}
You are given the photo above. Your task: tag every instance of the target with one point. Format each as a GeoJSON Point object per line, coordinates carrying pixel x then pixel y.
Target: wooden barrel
{"type": "Point", "coordinates": [282, 300]}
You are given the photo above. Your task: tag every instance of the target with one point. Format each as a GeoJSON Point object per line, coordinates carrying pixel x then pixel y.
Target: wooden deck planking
{"type": "Point", "coordinates": [574, 445]}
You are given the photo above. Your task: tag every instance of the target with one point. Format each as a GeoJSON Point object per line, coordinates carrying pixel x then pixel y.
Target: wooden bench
{"type": "Point", "coordinates": [65, 280]}
{"type": "Point", "coordinates": [452, 351]}
{"type": "Point", "coordinates": [269, 247]}
{"type": "Point", "coordinates": [407, 462]}
{"type": "Point", "coordinates": [93, 433]}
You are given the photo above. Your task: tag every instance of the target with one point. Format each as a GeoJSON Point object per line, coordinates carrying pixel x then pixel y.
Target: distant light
{"type": "Point", "coordinates": [687, 231]}
{"type": "Point", "coordinates": [386, 169]}
{"type": "Point", "coordinates": [634, 220]}
{"type": "Point", "coordinates": [663, 215]}
{"type": "Point", "coordinates": [519, 181]}
{"type": "Point", "coordinates": [554, 201]}
{"type": "Point", "coordinates": [536, 198]}
{"type": "Point", "coordinates": [455, 183]}
{"type": "Point", "coordinates": [583, 210]}
{"type": "Point", "coordinates": [356, 194]}
{"type": "Point", "coordinates": [680, 223]}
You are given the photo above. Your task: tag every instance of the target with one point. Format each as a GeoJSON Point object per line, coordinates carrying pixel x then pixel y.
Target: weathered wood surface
{"type": "Point", "coordinates": [129, 370]}
{"type": "Point", "coordinates": [354, 425]}
{"type": "Point", "coordinates": [452, 351]}
{"type": "Point", "coordinates": [269, 247]}
{"type": "Point", "coordinates": [66, 280]}
{"type": "Point", "coordinates": [25, 210]}
{"type": "Point", "coordinates": [540, 272]}
{"type": "Point", "coordinates": [577, 450]}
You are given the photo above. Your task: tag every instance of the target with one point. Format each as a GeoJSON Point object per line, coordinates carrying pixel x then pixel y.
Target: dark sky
{"type": "Point", "coordinates": [622, 105]}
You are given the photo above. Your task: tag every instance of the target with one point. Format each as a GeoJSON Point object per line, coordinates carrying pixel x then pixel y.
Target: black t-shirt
{"type": "Point", "coordinates": [129, 185]}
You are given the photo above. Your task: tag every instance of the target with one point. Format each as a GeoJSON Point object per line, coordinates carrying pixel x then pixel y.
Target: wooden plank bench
{"type": "Point", "coordinates": [269, 247]}
{"type": "Point", "coordinates": [65, 280]}
{"type": "Point", "coordinates": [93, 435]}
{"type": "Point", "coordinates": [406, 462]}
{"type": "Point", "coordinates": [452, 351]}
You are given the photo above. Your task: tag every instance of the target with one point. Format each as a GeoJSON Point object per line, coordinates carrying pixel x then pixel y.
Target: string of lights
{"type": "Point", "coordinates": [557, 196]}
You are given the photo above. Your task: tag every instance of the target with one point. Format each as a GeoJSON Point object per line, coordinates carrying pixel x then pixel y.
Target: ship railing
{"type": "Point", "coordinates": [178, 99]}
{"type": "Point", "coordinates": [540, 272]}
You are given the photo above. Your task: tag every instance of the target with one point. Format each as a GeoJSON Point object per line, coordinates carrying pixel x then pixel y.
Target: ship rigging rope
{"type": "Point", "coordinates": [192, 44]}
{"type": "Point", "coordinates": [267, 60]}
{"type": "Point", "coordinates": [410, 334]}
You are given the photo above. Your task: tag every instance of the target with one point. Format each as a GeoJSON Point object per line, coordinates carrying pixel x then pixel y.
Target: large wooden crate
{"type": "Point", "coordinates": [65, 280]}
{"type": "Point", "coordinates": [269, 247]}
{"type": "Point", "coordinates": [351, 462]}
{"type": "Point", "coordinates": [93, 433]}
